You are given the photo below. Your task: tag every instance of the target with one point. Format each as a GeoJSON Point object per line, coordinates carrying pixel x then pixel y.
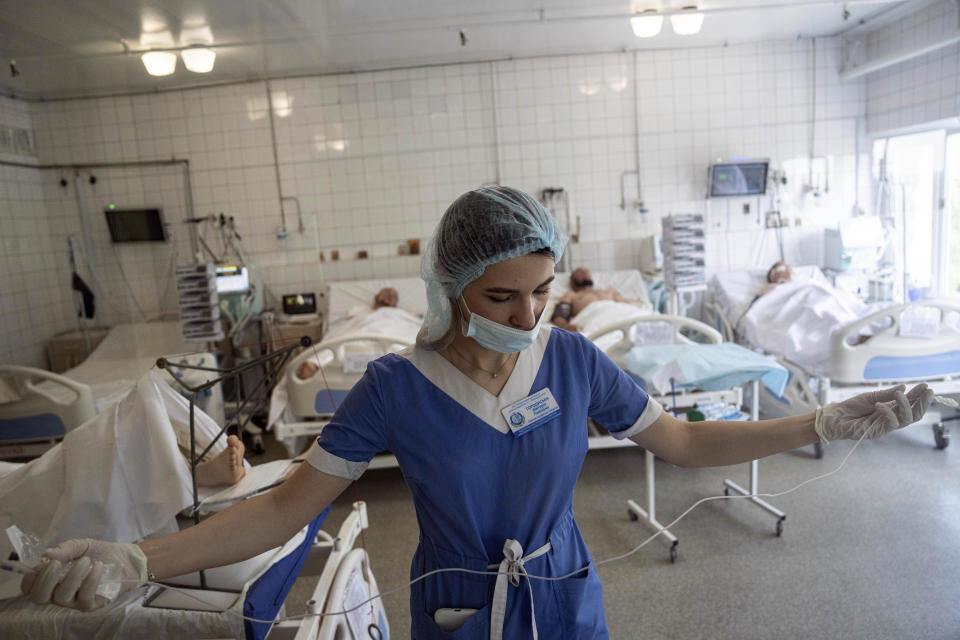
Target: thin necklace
{"type": "Point", "coordinates": [493, 374]}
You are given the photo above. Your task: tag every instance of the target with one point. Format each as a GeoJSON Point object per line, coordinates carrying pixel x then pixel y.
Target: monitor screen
{"type": "Point", "coordinates": [738, 179]}
{"type": "Point", "coordinates": [232, 278]}
{"type": "Point", "coordinates": [136, 225]}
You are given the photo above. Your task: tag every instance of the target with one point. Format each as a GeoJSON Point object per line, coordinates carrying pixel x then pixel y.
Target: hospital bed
{"type": "Point", "coordinates": [121, 477]}
{"type": "Point", "coordinates": [310, 403]}
{"type": "Point", "coordinates": [129, 351]}
{"type": "Point", "coordinates": [256, 589]}
{"type": "Point", "coordinates": [629, 283]}
{"type": "Point", "coordinates": [40, 407]}
{"type": "Point", "coordinates": [684, 338]}
{"type": "Point", "coordinates": [892, 355]}
{"type": "Point", "coordinates": [37, 409]}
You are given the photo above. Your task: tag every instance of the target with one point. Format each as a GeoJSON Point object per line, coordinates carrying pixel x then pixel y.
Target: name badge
{"type": "Point", "coordinates": [531, 412]}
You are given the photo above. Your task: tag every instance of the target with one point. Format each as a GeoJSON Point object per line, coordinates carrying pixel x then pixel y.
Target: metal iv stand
{"type": "Point", "coordinates": [274, 363]}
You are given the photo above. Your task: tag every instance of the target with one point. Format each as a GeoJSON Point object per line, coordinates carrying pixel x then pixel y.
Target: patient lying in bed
{"type": "Point", "coordinates": [384, 318]}
{"type": "Point", "coordinates": [795, 319]}
{"type": "Point", "coordinates": [586, 308]}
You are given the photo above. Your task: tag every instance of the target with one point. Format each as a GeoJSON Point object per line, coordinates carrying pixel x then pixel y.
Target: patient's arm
{"type": "Point", "coordinates": [251, 527]}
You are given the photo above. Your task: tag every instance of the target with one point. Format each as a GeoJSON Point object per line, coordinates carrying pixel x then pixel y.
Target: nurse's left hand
{"type": "Point", "coordinates": [874, 413]}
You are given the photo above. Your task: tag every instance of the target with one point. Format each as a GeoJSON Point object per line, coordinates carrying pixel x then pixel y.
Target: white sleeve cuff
{"type": "Point", "coordinates": [322, 460]}
{"type": "Point", "coordinates": [647, 417]}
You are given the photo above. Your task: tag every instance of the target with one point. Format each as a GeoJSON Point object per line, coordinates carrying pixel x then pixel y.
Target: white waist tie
{"type": "Point", "coordinates": [511, 567]}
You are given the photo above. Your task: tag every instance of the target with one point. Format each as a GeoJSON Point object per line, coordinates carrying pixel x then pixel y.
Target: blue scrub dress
{"type": "Point", "coordinates": [475, 483]}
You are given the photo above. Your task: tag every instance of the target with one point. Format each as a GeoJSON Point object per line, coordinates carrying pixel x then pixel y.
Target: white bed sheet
{"type": "Point", "coordinates": [119, 476]}
{"type": "Point", "coordinates": [734, 291]}
{"type": "Point", "coordinates": [603, 313]}
{"type": "Point", "coordinates": [796, 319]}
{"type": "Point", "coordinates": [129, 351]}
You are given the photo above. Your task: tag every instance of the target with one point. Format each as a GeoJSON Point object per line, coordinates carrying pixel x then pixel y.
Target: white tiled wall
{"type": "Point", "coordinates": [35, 297]}
{"type": "Point", "coordinates": [373, 159]}
{"type": "Point", "coordinates": [920, 90]}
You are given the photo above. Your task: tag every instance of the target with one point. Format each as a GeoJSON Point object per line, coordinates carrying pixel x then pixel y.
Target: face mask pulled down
{"type": "Point", "coordinates": [498, 337]}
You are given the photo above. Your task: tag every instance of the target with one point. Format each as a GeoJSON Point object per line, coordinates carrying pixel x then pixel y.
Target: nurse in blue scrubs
{"type": "Point", "coordinates": [487, 417]}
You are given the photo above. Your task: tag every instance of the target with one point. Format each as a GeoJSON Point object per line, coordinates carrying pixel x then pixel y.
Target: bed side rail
{"type": "Point", "coordinates": [723, 323]}
{"type": "Point", "coordinates": [839, 337]}
{"type": "Point", "coordinates": [677, 322]}
{"type": "Point", "coordinates": [72, 410]}
{"type": "Point", "coordinates": [847, 360]}
{"type": "Point", "coordinates": [384, 343]}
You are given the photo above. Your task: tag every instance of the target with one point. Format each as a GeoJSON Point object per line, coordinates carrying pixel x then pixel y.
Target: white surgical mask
{"type": "Point", "coordinates": [496, 336]}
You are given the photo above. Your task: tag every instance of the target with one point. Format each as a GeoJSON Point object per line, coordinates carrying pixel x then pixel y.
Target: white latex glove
{"type": "Point", "coordinates": [874, 413]}
{"type": "Point", "coordinates": [77, 589]}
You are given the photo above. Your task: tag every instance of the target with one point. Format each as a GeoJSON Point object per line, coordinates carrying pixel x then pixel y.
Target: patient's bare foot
{"type": "Point", "coordinates": [225, 469]}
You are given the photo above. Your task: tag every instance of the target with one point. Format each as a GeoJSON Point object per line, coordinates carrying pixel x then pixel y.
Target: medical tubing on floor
{"type": "Point", "coordinates": [529, 576]}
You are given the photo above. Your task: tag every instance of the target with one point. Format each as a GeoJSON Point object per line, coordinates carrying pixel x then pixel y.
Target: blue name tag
{"type": "Point", "coordinates": [531, 412]}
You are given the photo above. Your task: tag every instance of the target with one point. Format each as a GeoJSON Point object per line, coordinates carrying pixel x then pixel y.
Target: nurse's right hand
{"type": "Point", "coordinates": [872, 414]}
{"type": "Point", "coordinates": [77, 588]}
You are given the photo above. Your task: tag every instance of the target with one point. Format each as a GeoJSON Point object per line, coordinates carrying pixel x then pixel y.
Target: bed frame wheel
{"type": "Point", "coordinates": [674, 553]}
{"type": "Point", "coordinates": [780, 527]}
{"type": "Point", "coordinates": [941, 436]}
{"type": "Point", "coordinates": [633, 517]}
{"type": "Point", "coordinates": [818, 449]}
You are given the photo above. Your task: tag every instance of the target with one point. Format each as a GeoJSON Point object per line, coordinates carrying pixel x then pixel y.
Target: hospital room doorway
{"type": "Point", "coordinates": [951, 229]}
{"type": "Point", "coordinates": [918, 197]}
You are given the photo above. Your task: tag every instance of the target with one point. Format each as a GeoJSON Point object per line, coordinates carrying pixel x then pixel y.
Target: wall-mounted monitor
{"type": "Point", "coordinates": [136, 225]}
{"type": "Point", "coordinates": [740, 178]}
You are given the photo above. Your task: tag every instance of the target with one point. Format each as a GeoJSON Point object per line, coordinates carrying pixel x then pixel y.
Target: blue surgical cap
{"type": "Point", "coordinates": [481, 227]}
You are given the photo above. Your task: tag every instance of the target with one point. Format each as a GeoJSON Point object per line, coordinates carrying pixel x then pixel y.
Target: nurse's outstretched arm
{"type": "Point", "coordinates": [715, 443]}
{"type": "Point", "coordinates": [234, 534]}
{"type": "Point", "coordinates": [247, 528]}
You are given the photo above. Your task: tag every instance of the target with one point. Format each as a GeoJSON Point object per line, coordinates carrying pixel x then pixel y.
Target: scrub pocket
{"type": "Point", "coordinates": [476, 626]}
{"type": "Point", "coordinates": [580, 604]}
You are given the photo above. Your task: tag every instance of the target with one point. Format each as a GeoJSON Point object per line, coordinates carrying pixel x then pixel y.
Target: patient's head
{"type": "Point", "coordinates": [581, 279]}
{"type": "Point", "coordinates": [779, 272]}
{"type": "Point", "coordinates": [386, 297]}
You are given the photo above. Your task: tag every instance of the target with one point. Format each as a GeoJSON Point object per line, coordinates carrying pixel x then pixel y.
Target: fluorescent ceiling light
{"type": "Point", "coordinates": [198, 59]}
{"type": "Point", "coordinates": [159, 63]}
{"type": "Point", "coordinates": [687, 24]}
{"type": "Point", "coordinates": [647, 24]}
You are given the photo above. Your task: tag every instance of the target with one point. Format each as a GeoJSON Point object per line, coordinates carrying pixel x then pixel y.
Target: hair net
{"type": "Point", "coordinates": [481, 227]}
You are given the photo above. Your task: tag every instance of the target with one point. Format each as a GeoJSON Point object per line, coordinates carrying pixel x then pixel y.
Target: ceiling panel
{"type": "Point", "coordinates": [66, 48]}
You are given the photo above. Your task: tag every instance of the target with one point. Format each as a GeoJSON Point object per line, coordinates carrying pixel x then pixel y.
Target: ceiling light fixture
{"type": "Point", "coordinates": [688, 22]}
{"type": "Point", "coordinates": [198, 59]}
{"type": "Point", "coordinates": [647, 23]}
{"type": "Point", "coordinates": [159, 63]}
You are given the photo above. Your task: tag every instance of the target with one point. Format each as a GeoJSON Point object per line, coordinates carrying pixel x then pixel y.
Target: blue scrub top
{"type": "Point", "coordinates": [475, 483]}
